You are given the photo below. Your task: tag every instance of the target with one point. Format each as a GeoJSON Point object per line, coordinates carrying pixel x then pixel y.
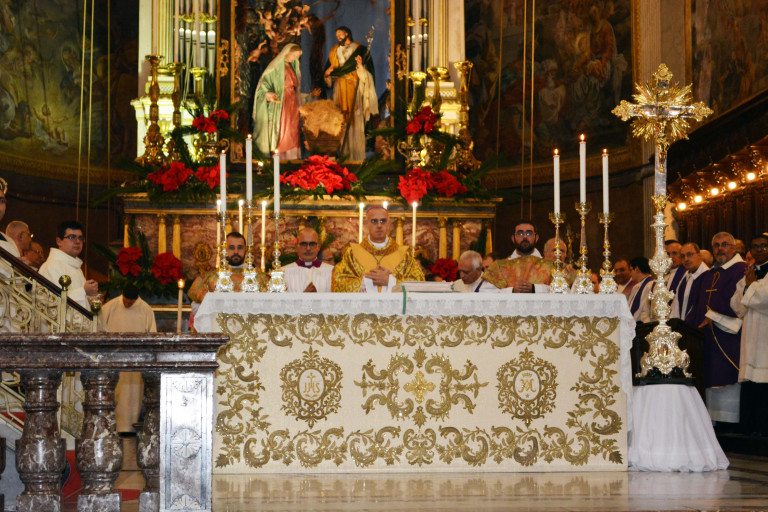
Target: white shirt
{"type": "Point", "coordinates": [60, 264]}
{"type": "Point", "coordinates": [298, 277]}
{"type": "Point", "coordinates": [115, 317]}
{"type": "Point", "coordinates": [752, 306]}
{"type": "Point", "coordinates": [485, 286]}
{"type": "Point", "coordinates": [685, 290]}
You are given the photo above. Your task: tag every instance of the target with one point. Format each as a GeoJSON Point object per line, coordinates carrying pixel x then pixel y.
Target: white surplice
{"type": "Point", "coordinates": [298, 277]}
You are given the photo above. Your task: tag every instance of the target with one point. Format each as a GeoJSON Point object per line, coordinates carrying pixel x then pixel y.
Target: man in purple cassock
{"type": "Point", "coordinates": [712, 313]}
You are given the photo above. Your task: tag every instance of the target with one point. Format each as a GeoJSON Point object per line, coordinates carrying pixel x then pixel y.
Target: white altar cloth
{"type": "Point", "coordinates": [283, 345]}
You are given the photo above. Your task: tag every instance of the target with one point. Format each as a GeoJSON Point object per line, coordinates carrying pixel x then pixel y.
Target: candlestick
{"type": "Point", "coordinates": [413, 229]}
{"type": "Point", "coordinates": [249, 283]}
{"type": "Point", "coordinates": [556, 164]}
{"type": "Point", "coordinates": [360, 225]}
{"type": "Point", "coordinates": [263, 223]}
{"type": "Point", "coordinates": [198, 60]}
{"type": "Point", "coordinates": [223, 180]}
{"type": "Point", "coordinates": [276, 281]}
{"type": "Point", "coordinates": [155, 25]}
{"type": "Point", "coordinates": [240, 216]}
{"type": "Point", "coordinates": [583, 284]}
{"type": "Point", "coordinates": [559, 283]}
{"type": "Point", "coordinates": [607, 281]}
{"type": "Point", "coordinates": [605, 181]}
{"type": "Point", "coordinates": [276, 172]}
{"type": "Point", "coordinates": [583, 169]}
{"type": "Point", "coordinates": [224, 280]}
{"type": "Point", "coordinates": [249, 168]}
{"type": "Point", "coordinates": [178, 311]}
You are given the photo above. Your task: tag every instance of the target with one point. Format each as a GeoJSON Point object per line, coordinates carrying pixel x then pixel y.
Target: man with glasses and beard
{"type": "Point", "coordinates": [309, 273]}
{"type": "Point", "coordinates": [377, 264]}
{"type": "Point", "coordinates": [63, 260]}
{"type": "Point", "coordinates": [525, 271]}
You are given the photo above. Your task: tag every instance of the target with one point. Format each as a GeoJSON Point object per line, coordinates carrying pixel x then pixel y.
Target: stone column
{"type": "Point", "coordinates": [399, 231]}
{"type": "Point", "coordinates": [488, 237]}
{"type": "Point", "coordinates": [162, 237]}
{"type": "Point", "coordinates": [40, 453]}
{"type": "Point", "coordinates": [442, 244]}
{"type": "Point", "coordinates": [456, 224]}
{"type": "Point", "coordinates": [99, 452]}
{"type": "Point", "coordinates": [148, 450]}
{"type": "Point", "coordinates": [176, 240]}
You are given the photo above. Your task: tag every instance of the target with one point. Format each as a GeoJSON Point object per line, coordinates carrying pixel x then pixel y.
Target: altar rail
{"type": "Point", "coordinates": [174, 448]}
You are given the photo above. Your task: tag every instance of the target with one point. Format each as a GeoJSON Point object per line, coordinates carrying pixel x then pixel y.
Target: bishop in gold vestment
{"type": "Point", "coordinates": [377, 264]}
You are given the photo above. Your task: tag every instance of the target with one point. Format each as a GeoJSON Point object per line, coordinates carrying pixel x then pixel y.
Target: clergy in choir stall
{"type": "Point", "coordinates": [471, 274]}
{"type": "Point", "coordinates": [677, 270]}
{"type": "Point", "coordinates": [750, 302]}
{"type": "Point", "coordinates": [623, 277]}
{"type": "Point", "coordinates": [350, 72]}
{"type": "Point", "coordinates": [695, 268]}
{"type": "Point", "coordinates": [236, 257]}
{"type": "Point", "coordinates": [639, 301]}
{"type": "Point", "coordinates": [525, 271]}
{"type": "Point", "coordinates": [128, 313]}
{"type": "Point", "coordinates": [549, 255]}
{"type": "Point", "coordinates": [309, 273]}
{"type": "Point", "coordinates": [377, 264]}
{"type": "Point", "coordinates": [712, 313]}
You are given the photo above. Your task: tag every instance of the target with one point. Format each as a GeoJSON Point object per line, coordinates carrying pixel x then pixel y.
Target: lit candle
{"type": "Point", "coordinates": [249, 168]}
{"type": "Point", "coordinates": [413, 228]}
{"type": "Point", "coordinates": [385, 204]}
{"type": "Point", "coordinates": [240, 215]}
{"type": "Point", "coordinates": [583, 169]}
{"type": "Point", "coordinates": [605, 181]}
{"type": "Point", "coordinates": [176, 33]}
{"type": "Point", "coordinates": [276, 169]}
{"type": "Point", "coordinates": [556, 163]}
{"type": "Point", "coordinates": [263, 223]}
{"type": "Point", "coordinates": [155, 25]}
{"type": "Point", "coordinates": [178, 312]}
{"type": "Point", "coordinates": [198, 60]}
{"type": "Point", "coordinates": [360, 225]}
{"type": "Point", "coordinates": [223, 179]}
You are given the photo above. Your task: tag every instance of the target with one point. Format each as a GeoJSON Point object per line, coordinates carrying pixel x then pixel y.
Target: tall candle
{"type": "Point", "coordinates": [176, 33]}
{"type": "Point", "coordinates": [240, 215]}
{"type": "Point", "coordinates": [276, 168]}
{"type": "Point", "coordinates": [223, 178]}
{"type": "Point", "coordinates": [360, 224]}
{"type": "Point", "coordinates": [413, 228]}
{"type": "Point", "coordinates": [605, 181]}
{"type": "Point", "coordinates": [196, 5]}
{"type": "Point", "coordinates": [218, 223]}
{"type": "Point", "coordinates": [249, 168]}
{"type": "Point", "coordinates": [263, 223]}
{"type": "Point", "coordinates": [155, 25]}
{"type": "Point", "coordinates": [210, 7]}
{"type": "Point", "coordinates": [178, 311]}
{"type": "Point", "coordinates": [556, 163]}
{"type": "Point", "coordinates": [583, 169]}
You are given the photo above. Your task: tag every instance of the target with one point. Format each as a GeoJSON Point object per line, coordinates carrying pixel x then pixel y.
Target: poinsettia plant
{"type": "Point", "coordinates": [419, 182]}
{"type": "Point", "coordinates": [320, 175]}
{"type": "Point", "coordinates": [154, 275]}
{"type": "Point", "coordinates": [446, 268]}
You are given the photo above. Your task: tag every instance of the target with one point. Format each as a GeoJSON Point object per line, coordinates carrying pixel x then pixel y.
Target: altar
{"type": "Point", "coordinates": [420, 382]}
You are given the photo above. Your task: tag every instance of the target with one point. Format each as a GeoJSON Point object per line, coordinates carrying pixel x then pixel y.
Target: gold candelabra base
{"type": "Point", "coordinates": [559, 283]}
{"type": "Point", "coordinates": [583, 283]}
{"type": "Point", "coordinates": [223, 271]}
{"type": "Point", "coordinates": [607, 276]}
{"type": "Point", "coordinates": [276, 280]}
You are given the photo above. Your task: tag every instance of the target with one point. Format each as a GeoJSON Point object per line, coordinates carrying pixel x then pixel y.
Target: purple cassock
{"type": "Point", "coordinates": [713, 290]}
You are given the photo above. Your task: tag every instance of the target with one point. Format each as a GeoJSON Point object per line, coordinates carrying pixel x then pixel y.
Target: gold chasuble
{"type": "Point", "coordinates": [207, 283]}
{"type": "Point", "coordinates": [361, 258]}
{"type": "Point", "coordinates": [505, 273]}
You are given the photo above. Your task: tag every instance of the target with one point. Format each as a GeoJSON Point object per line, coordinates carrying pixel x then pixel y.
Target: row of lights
{"type": "Point", "coordinates": [715, 191]}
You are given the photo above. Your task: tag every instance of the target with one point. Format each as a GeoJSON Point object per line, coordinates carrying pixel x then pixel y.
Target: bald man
{"type": "Point", "coordinates": [377, 264]}
{"type": "Point", "coordinates": [308, 273]}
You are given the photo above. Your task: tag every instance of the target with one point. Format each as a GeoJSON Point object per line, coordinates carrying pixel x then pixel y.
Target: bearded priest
{"type": "Point", "coordinates": [378, 264]}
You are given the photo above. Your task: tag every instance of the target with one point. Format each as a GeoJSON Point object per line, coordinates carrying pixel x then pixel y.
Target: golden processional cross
{"type": "Point", "coordinates": [661, 113]}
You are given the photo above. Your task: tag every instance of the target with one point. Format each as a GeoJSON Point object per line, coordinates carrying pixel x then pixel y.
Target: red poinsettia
{"type": "Point", "coordinates": [170, 177]}
{"type": "Point", "coordinates": [423, 122]}
{"type": "Point", "coordinates": [447, 184]}
{"type": "Point", "coordinates": [320, 171]}
{"type": "Point", "coordinates": [415, 184]}
{"type": "Point", "coordinates": [166, 268]}
{"type": "Point", "coordinates": [219, 115]}
{"type": "Point", "coordinates": [204, 124]}
{"type": "Point", "coordinates": [209, 175]}
{"type": "Point", "coordinates": [128, 261]}
{"type": "Point", "coordinates": [446, 268]}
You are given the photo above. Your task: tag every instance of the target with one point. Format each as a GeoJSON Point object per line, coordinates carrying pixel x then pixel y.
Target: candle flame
{"type": "Point", "coordinates": [415, 204]}
{"type": "Point", "coordinates": [385, 204]}
{"type": "Point", "coordinates": [582, 137]}
{"type": "Point", "coordinates": [249, 136]}
{"type": "Point", "coordinates": [240, 202]}
{"type": "Point", "coordinates": [605, 151]}
{"type": "Point", "coordinates": [362, 205]}
{"type": "Point", "coordinates": [180, 283]}
{"type": "Point", "coordinates": [557, 152]}
{"type": "Point", "coordinates": [277, 152]}
{"type": "Point", "coordinates": [264, 205]}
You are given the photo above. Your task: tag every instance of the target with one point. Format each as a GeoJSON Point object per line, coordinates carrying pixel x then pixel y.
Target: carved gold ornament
{"type": "Point", "coordinates": [311, 388]}
{"type": "Point", "coordinates": [527, 387]}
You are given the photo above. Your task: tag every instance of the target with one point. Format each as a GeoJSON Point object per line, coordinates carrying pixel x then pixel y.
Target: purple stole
{"type": "Point", "coordinates": [678, 277]}
{"type": "Point", "coordinates": [639, 294]}
{"type": "Point", "coordinates": [713, 290]}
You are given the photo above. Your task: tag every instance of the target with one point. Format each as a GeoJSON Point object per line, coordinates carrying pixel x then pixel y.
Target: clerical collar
{"type": "Point", "coordinates": [378, 245]}
{"type": "Point", "coordinates": [310, 264]}
{"type": "Point", "coordinates": [725, 266]}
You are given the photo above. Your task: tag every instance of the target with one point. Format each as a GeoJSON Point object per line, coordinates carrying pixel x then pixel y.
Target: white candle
{"type": "Point", "coordinates": [155, 25]}
{"type": "Point", "coordinates": [583, 169]}
{"type": "Point", "coordinates": [249, 168]}
{"type": "Point", "coordinates": [218, 223]}
{"type": "Point", "coordinates": [196, 5]}
{"type": "Point", "coordinates": [413, 228]}
{"type": "Point", "coordinates": [263, 223]}
{"type": "Point", "coordinates": [240, 215]}
{"type": "Point", "coordinates": [210, 7]}
{"type": "Point", "coordinates": [556, 163]}
{"type": "Point", "coordinates": [181, 298]}
{"type": "Point", "coordinates": [276, 168]}
{"type": "Point", "coordinates": [223, 178]}
{"type": "Point", "coordinates": [360, 224]}
{"type": "Point", "coordinates": [176, 33]}
{"type": "Point", "coordinates": [605, 181]}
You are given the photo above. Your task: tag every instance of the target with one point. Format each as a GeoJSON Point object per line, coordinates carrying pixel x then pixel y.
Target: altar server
{"type": "Point", "coordinates": [377, 264]}
{"type": "Point", "coordinates": [309, 273]}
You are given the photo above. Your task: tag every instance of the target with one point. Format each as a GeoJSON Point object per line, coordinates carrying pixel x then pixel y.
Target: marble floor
{"type": "Point", "coordinates": [743, 487]}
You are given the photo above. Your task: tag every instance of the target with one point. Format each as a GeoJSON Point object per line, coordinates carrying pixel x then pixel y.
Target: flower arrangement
{"type": "Point", "coordinates": [446, 268]}
{"type": "Point", "coordinates": [320, 175]}
{"type": "Point", "coordinates": [418, 182]}
{"type": "Point", "coordinates": [423, 122]}
{"type": "Point", "coordinates": [213, 122]}
{"type": "Point", "coordinates": [153, 275]}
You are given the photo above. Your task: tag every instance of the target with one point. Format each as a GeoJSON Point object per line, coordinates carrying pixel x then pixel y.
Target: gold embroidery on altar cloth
{"type": "Point", "coordinates": [527, 387]}
{"type": "Point", "coordinates": [311, 387]}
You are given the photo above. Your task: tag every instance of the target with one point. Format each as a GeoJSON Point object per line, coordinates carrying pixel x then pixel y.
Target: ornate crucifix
{"type": "Point", "coordinates": [661, 113]}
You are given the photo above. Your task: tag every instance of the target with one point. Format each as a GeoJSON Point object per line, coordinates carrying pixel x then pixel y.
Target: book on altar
{"type": "Point", "coordinates": [424, 286]}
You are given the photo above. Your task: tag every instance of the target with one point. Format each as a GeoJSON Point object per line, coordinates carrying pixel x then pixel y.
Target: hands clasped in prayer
{"type": "Point", "coordinates": [379, 275]}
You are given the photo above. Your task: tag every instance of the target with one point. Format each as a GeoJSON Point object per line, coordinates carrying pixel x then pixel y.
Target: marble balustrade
{"type": "Point", "coordinates": [174, 448]}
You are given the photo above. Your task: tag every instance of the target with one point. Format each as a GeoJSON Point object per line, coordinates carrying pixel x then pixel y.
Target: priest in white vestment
{"type": "Point", "coordinates": [471, 274]}
{"type": "Point", "coordinates": [128, 313]}
{"type": "Point", "coordinates": [63, 260]}
{"type": "Point", "coordinates": [309, 273]}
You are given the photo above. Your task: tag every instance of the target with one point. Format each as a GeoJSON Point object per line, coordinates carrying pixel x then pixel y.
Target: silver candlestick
{"type": "Point", "coordinates": [249, 284]}
{"type": "Point", "coordinates": [276, 281]}
{"type": "Point", "coordinates": [224, 280]}
{"type": "Point", "coordinates": [607, 281]}
{"type": "Point", "coordinates": [583, 283]}
{"type": "Point", "coordinates": [559, 283]}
